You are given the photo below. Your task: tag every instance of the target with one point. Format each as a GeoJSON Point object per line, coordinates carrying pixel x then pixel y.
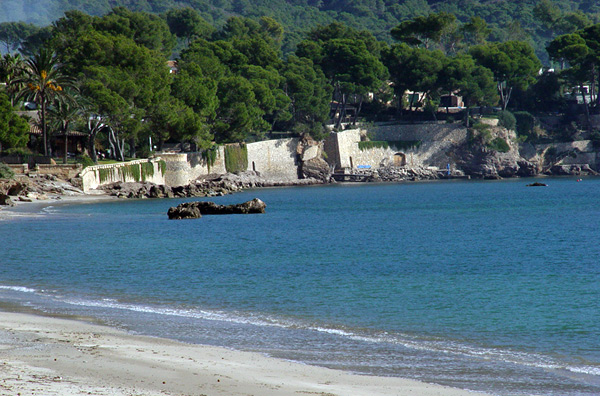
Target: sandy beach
{"type": "Point", "coordinates": [33, 209]}
{"type": "Point", "coordinates": [43, 355]}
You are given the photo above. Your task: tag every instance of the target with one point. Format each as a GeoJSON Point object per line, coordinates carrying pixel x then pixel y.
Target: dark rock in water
{"type": "Point", "coordinates": [184, 211]}
{"type": "Point", "coordinates": [195, 210]}
{"type": "Point", "coordinates": [537, 184]}
{"type": "Point", "coordinates": [5, 200]}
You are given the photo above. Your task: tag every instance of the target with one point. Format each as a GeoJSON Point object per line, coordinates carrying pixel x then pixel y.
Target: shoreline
{"type": "Point", "coordinates": [45, 355]}
{"type": "Point", "coordinates": [31, 208]}
{"type": "Point", "coordinates": [24, 209]}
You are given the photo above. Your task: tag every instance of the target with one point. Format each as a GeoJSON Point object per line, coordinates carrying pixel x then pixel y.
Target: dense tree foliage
{"type": "Point", "coordinates": [13, 128]}
{"type": "Point", "coordinates": [349, 59]}
{"type": "Point", "coordinates": [513, 63]}
{"type": "Point", "coordinates": [537, 22]}
{"type": "Point", "coordinates": [237, 79]}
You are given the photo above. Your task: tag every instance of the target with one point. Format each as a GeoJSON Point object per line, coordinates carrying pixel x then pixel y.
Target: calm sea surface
{"type": "Point", "coordinates": [490, 286]}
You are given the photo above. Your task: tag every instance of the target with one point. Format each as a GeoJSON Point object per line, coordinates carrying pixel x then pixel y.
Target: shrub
{"type": "Point", "coordinates": [85, 161]}
{"type": "Point", "coordinates": [507, 120]}
{"type": "Point", "coordinates": [595, 138]}
{"type": "Point", "coordinates": [372, 144]}
{"type": "Point", "coordinates": [20, 151]}
{"type": "Point", "coordinates": [162, 166]}
{"type": "Point", "coordinates": [129, 171]}
{"type": "Point", "coordinates": [499, 145]}
{"type": "Point", "coordinates": [210, 156]}
{"type": "Point", "coordinates": [103, 174]}
{"type": "Point", "coordinates": [6, 172]}
{"type": "Point", "coordinates": [405, 144]}
{"type": "Point", "coordinates": [482, 130]}
{"type": "Point", "coordinates": [236, 158]}
{"type": "Point", "coordinates": [525, 123]}
{"type": "Point", "coordinates": [147, 170]}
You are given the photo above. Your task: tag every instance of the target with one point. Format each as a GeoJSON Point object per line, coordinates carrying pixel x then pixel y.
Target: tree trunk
{"type": "Point", "coordinates": [587, 109]}
{"type": "Point", "coordinates": [132, 147]}
{"type": "Point", "coordinates": [358, 110]}
{"type": "Point", "coordinates": [92, 147]}
{"type": "Point", "coordinates": [122, 149]}
{"type": "Point", "coordinates": [111, 143]}
{"type": "Point", "coordinates": [505, 92]}
{"type": "Point", "coordinates": [43, 119]}
{"type": "Point", "coordinates": [66, 147]}
{"type": "Point", "coordinates": [337, 106]}
{"type": "Point", "coordinates": [342, 112]}
{"type": "Point", "coordinates": [597, 95]}
{"type": "Point", "coordinates": [116, 145]}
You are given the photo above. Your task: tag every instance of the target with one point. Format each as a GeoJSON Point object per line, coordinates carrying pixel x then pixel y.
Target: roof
{"type": "Point", "coordinates": [37, 131]}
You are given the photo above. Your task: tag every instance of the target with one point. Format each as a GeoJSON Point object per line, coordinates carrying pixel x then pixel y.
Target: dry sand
{"type": "Point", "coordinates": [42, 355]}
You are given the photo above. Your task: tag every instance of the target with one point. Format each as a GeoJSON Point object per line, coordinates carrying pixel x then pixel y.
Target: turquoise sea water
{"type": "Point", "coordinates": [489, 286]}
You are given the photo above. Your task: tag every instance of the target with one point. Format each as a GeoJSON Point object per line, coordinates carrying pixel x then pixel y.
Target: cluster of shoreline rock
{"type": "Point", "coordinates": [25, 188]}
{"type": "Point", "coordinates": [209, 186]}
{"type": "Point", "coordinates": [472, 159]}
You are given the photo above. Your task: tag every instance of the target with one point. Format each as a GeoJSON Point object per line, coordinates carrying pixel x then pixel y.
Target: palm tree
{"type": "Point", "coordinates": [42, 81]}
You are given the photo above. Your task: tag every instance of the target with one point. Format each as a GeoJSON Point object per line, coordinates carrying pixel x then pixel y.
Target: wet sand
{"type": "Point", "coordinates": [42, 355]}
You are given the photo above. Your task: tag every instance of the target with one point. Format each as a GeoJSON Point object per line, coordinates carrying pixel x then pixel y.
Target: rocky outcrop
{"type": "Point", "coordinates": [477, 158]}
{"type": "Point", "coordinates": [37, 187]}
{"type": "Point", "coordinates": [404, 173]}
{"type": "Point", "coordinates": [311, 162]}
{"type": "Point", "coordinates": [316, 168]}
{"type": "Point", "coordinates": [17, 188]}
{"type": "Point", "coordinates": [5, 200]}
{"type": "Point", "coordinates": [571, 170]}
{"type": "Point", "coordinates": [195, 210]}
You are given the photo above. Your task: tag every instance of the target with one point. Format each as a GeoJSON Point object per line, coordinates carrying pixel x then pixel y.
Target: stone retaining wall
{"type": "Point", "coordinates": [62, 171]}
{"type": "Point", "coordinates": [274, 159]}
{"type": "Point", "coordinates": [184, 168]}
{"type": "Point", "coordinates": [19, 169]}
{"type": "Point", "coordinates": [435, 139]}
{"type": "Point", "coordinates": [425, 132]}
{"type": "Point", "coordinates": [132, 171]}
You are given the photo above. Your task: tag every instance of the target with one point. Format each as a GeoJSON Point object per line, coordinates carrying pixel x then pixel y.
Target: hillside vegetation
{"type": "Point", "coordinates": [112, 77]}
{"type": "Point", "coordinates": [534, 21]}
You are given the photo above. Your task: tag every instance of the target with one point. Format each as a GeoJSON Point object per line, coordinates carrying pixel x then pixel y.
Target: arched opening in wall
{"type": "Point", "coordinates": [253, 166]}
{"type": "Point", "coordinates": [351, 164]}
{"type": "Point", "coordinates": [399, 159]}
